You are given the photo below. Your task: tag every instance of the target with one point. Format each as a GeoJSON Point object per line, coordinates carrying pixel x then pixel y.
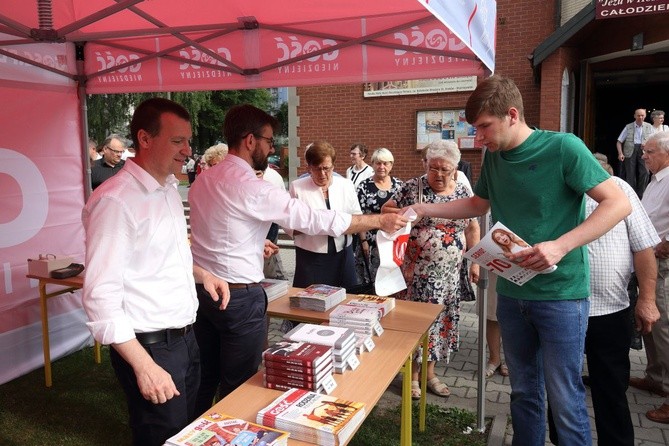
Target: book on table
{"type": "Point", "coordinates": [288, 371]}
{"type": "Point", "coordinates": [219, 428]}
{"type": "Point", "coordinates": [318, 297]}
{"type": "Point", "coordinates": [275, 367]}
{"type": "Point", "coordinates": [339, 338]}
{"type": "Point", "coordinates": [297, 352]}
{"type": "Point", "coordinates": [283, 383]}
{"type": "Point", "coordinates": [383, 304]}
{"type": "Point", "coordinates": [274, 288]}
{"type": "Point", "coordinates": [313, 417]}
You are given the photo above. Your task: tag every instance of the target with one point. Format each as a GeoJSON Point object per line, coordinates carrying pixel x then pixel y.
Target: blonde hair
{"type": "Point", "coordinates": [215, 154]}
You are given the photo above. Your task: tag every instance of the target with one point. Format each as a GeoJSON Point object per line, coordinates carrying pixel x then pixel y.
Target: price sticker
{"type": "Point", "coordinates": [369, 344]}
{"type": "Point", "coordinates": [329, 384]}
{"type": "Point", "coordinates": [378, 329]}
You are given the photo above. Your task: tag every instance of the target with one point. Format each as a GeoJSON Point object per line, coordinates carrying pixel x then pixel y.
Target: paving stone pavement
{"type": "Point", "coordinates": [461, 376]}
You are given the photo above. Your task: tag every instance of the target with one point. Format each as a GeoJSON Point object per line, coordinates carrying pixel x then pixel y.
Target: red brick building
{"type": "Point", "coordinates": [576, 73]}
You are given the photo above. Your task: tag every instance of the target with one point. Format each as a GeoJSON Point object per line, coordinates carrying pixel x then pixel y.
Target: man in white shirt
{"type": "Point", "coordinates": [139, 287]}
{"type": "Point", "coordinates": [231, 212]}
{"type": "Point", "coordinates": [629, 146]}
{"type": "Point", "coordinates": [656, 202]}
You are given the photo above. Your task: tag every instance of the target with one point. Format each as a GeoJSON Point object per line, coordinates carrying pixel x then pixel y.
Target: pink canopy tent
{"type": "Point", "coordinates": [54, 52]}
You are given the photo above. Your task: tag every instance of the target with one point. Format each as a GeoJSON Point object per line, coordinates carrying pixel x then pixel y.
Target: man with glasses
{"type": "Point", "coordinates": [106, 167]}
{"type": "Point", "coordinates": [231, 210]}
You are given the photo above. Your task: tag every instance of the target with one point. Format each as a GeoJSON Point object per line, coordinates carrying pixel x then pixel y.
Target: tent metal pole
{"type": "Point", "coordinates": [481, 354]}
{"type": "Point", "coordinates": [83, 117]}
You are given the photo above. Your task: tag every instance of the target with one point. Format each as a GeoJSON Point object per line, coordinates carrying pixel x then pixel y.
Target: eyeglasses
{"type": "Point", "coordinates": [326, 169]}
{"type": "Point", "coordinates": [269, 140]}
{"type": "Point", "coordinates": [436, 171]}
{"type": "Point", "coordinates": [115, 152]}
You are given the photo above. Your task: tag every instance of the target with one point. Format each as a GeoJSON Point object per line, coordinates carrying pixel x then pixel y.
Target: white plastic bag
{"type": "Point", "coordinates": [389, 278]}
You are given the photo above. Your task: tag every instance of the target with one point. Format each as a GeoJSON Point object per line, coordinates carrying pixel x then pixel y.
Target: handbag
{"type": "Point", "coordinates": [367, 286]}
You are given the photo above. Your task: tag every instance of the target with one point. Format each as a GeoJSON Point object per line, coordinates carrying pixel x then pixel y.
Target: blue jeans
{"type": "Point", "coordinates": [543, 346]}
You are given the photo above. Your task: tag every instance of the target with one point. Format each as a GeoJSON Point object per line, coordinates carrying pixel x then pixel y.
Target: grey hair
{"type": "Point", "coordinates": [656, 113]}
{"type": "Point", "coordinates": [661, 139]}
{"type": "Point", "coordinates": [443, 149]}
{"type": "Point", "coordinates": [382, 155]}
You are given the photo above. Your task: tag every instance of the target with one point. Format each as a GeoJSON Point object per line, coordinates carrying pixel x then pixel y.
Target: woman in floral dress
{"type": "Point", "coordinates": [433, 256]}
{"type": "Point", "coordinates": [372, 194]}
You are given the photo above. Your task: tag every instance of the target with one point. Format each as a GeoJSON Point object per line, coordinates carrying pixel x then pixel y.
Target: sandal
{"type": "Point", "coordinates": [415, 390]}
{"type": "Point", "coordinates": [503, 370]}
{"type": "Point", "coordinates": [437, 387]}
{"type": "Point", "coordinates": [492, 368]}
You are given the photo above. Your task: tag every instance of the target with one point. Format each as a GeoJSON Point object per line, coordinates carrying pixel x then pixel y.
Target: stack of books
{"type": "Point", "coordinates": [218, 428]}
{"type": "Point", "coordinates": [314, 418]}
{"type": "Point", "coordinates": [318, 297]}
{"type": "Point", "coordinates": [274, 288]}
{"type": "Point", "coordinates": [363, 321]}
{"type": "Point", "coordinates": [341, 339]}
{"type": "Point", "coordinates": [292, 364]}
{"type": "Point", "coordinates": [384, 304]}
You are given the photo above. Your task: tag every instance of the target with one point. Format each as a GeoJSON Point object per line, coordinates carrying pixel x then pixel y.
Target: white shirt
{"type": "Point", "coordinates": [656, 201]}
{"type": "Point", "coordinates": [274, 177]}
{"type": "Point", "coordinates": [611, 256]}
{"type": "Point", "coordinates": [358, 176]}
{"type": "Point", "coordinates": [638, 133]}
{"type": "Point", "coordinates": [342, 197]}
{"type": "Point", "coordinates": [231, 211]}
{"type": "Point", "coordinates": [139, 269]}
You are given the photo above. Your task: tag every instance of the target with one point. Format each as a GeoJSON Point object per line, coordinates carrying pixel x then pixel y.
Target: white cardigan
{"type": "Point", "coordinates": [342, 198]}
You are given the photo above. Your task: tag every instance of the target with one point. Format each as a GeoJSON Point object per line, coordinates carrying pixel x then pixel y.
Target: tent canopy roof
{"type": "Point", "coordinates": [152, 45]}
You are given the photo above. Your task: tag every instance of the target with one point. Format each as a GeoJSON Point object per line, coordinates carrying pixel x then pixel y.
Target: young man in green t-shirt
{"type": "Point", "coordinates": [534, 182]}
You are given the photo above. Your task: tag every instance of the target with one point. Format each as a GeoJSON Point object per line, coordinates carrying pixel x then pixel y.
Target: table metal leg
{"type": "Point", "coordinates": [405, 422]}
{"type": "Point", "coordinates": [45, 334]}
{"type": "Point", "coordinates": [423, 387]}
{"type": "Point", "coordinates": [97, 352]}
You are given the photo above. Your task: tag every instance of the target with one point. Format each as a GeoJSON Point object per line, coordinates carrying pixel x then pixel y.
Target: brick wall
{"type": "Point", "coordinates": [340, 114]}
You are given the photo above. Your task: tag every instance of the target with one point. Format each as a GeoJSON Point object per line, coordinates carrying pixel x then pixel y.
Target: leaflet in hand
{"type": "Point", "coordinates": [489, 253]}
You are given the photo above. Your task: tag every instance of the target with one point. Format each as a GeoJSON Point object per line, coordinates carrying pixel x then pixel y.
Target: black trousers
{"type": "Point", "coordinates": [607, 345]}
{"type": "Point", "coordinates": [635, 172]}
{"type": "Point", "coordinates": [231, 341]}
{"type": "Point", "coordinates": [152, 424]}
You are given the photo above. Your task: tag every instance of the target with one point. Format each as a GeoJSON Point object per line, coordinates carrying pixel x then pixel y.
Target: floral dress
{"type": "Point", "coordinates": [371, 199]}
{"type": "Point", "coordinates": [431, 266]}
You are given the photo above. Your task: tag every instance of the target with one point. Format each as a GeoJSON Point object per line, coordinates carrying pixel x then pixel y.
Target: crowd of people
{"type": "Point", "coordinates": [187, 317]}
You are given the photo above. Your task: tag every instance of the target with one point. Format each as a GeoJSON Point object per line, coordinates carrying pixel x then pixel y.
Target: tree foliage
{"type": "Point", "coordinates": [111, 113]}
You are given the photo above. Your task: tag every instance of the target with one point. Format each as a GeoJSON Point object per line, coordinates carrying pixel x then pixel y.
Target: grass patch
{"type": "Point", "coordinates": [86, 406]}
{"type": "Point", "coordinates": [444, 426]}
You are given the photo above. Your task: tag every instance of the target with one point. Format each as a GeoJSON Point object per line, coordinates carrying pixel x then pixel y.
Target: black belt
{"type": "Point", "coordinates": [154, 337]}
{"type": "Point", "coordinates": [235, 286]}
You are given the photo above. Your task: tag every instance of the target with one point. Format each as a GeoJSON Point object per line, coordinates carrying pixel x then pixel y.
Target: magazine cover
{"type": "Point", "coordinates": [214, 429]}
{"type": "Point", "coordinates": [298, 353]}
{"type": "Point", "coordinates": [313, 417]}
{"type": "Point", "coordinates": [489, 253]}
{"type": "Point", "coordinates": [383, 304]}
{"type": "Point", "coordinates": [336, 337]}
{"type": "Point", "coordinates": [318, 291]}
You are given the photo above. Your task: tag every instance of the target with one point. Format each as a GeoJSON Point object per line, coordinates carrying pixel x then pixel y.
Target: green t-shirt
{"type": "Point", "coordinates": [537, 190]}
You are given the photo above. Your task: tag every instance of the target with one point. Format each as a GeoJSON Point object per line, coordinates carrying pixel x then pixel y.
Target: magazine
{"type": "Point", "coordinates": [339, 338]}
{"type": "Point", "coordinates": [274, 288]}
{"type": "Point", "coordinates": [489, 253]}
{"type": "Point", "coordinates": [314, 418]}
{"type": "Point", "coordinates": [215, 428]}
{"type": "Point", "coordinates": [384, 304]}
{"type": "Point", "coordinates": [318, 297]}
{"type": "Point", "coordinates": [298, 353]}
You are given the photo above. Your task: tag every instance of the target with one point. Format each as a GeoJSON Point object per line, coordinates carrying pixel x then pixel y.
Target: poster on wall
{"type": "Point", "coordinates": [449, 124]}
{"type": "Point", "coordinates": [419, 86]}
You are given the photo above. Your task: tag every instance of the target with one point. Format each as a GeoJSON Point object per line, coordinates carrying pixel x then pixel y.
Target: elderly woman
{"type": "Point", "coordinates": [320, 259]}
{"type": "Point", "coordinates": [433, 256]}
{"type": "Point", "coordinates": [372, 194]}
{"type": "Point", "coordinates": [657, 116]}
{"type": "Point", "coordinates": [214, 155]}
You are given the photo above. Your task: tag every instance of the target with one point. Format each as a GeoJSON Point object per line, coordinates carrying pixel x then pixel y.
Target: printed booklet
{"type": "Point", "coordinates": [215, 428]}
{"type": "Point", "coordinates": [314, 418]}
{"type": "Point", "coordinates": [489, 253]}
